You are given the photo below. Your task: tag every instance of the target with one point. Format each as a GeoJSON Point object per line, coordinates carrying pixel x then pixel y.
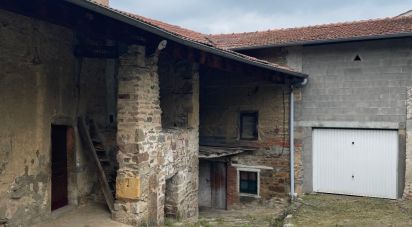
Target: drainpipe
{"type": "Point", "coordinates": [292, 137]}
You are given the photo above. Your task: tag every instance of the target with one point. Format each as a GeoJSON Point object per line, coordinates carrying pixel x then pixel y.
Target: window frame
{"type": "Point", "coordinates": [254, 170]}
{"type": "Point", "coordinates": [240, 132]}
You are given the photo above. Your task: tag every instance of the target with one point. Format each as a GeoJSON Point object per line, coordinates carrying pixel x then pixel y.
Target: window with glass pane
{"type": "Point", "coordinates": [248, 182]}
{"type": "Point", "coordinates": [248, 126]}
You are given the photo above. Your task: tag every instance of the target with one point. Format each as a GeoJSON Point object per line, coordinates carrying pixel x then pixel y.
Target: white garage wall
{"type": "Point", "coordinates": [355, 162]}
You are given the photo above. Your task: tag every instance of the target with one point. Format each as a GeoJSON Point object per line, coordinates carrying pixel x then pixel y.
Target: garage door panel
{"type": "Point", "coordinates": [355, 162]}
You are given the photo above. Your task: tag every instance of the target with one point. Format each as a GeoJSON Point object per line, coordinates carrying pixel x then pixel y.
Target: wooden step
{"type": "Point", "coordinates": [104, 160]}
{"type": "Point", "coordinates": [103, 179]}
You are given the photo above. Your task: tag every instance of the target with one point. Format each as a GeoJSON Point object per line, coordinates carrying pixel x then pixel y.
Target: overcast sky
{"type": "Point", "coordinates": [228, 16]}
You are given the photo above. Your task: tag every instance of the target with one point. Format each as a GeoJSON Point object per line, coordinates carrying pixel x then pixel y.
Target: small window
{"type": "Point", "coordinates": [248, 126]}
{"type": "Point", "coordinates": [248, 182]}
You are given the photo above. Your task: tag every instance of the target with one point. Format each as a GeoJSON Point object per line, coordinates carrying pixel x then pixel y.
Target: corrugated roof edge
{"type": "Point", "coordinates": [118, 15]}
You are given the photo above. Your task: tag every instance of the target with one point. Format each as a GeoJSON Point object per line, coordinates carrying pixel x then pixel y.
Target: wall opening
{"type": "Point", "coordinates": [62, 142]}
{"type": "Point", "coordinates": [357, 58]}
{"type": "Point", "coordinates": [176, 92]}
{"type": "Point", "coordinates": [170, 209]}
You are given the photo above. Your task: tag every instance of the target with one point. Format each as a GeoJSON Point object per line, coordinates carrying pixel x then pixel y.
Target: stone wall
{"type": "Point", "coordinates": [150, 156]}
{"type": "Point", "coordinates": [223, 97]}
{"type": "Point", "coordinates": [42, 84]}
{"type": "Point", "coordinates": [181, 173]}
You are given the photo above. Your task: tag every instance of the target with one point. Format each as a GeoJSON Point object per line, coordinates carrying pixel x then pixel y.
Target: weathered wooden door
{"type": "Point", "coordinates": [59, 192]}
{"type": "Point", "coordinates": [205, 192]}
{"type": "Point", "coordinates": [218, 184]}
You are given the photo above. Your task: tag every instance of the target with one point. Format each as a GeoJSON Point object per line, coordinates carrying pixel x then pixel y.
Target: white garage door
{"type": "Point", "coordinates": [355, 162]}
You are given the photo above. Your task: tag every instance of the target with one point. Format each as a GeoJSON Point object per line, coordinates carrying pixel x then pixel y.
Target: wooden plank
{"type": "Point", "coordinates": [104, 185]}
{"type": "Point", "coordinates": [218, 185]}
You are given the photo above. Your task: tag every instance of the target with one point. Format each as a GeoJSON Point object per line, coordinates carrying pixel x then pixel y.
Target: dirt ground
{"type": "Point", "coordinates": [89, 215]}
{"type": "Point", "coordinates": [254, 215]}
{"type": "Point", "coordinates": [313, 210]}
{"type": "Point", "coordinates": [97, 215]}
{"type": "Point", "coordinates": [336, 210]}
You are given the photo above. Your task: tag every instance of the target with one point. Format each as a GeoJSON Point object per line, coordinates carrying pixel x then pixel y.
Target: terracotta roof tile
{"type": "Point", "coordinates": [177, 30]}
{"type": "Point", "coordinates": [326, 32]}
{"type": "Point", "coordinates": [189, 34]}
{"type": "Point", "coordinates": [196, 37]}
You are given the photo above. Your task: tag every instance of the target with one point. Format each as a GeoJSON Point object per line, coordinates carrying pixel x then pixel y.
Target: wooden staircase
{"type": "Point", "coordinates": [93, 143]}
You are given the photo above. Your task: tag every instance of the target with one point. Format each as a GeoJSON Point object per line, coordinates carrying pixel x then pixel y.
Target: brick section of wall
{"type": "Point", "coordinates": [408, 162]}
{"type": "Point", "coordinates": [272, 182]}
{"type": "Point", "coordinates": [232, 197]}
{"type": "Point", "coordinates": [150, 154]}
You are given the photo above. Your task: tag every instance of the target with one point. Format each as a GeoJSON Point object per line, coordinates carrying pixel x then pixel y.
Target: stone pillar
{"type": "Point", "coordinates": [408, 162]}
{"type": "Point", "coordinates": [139, 129]}
{"type": "Point", "coordinates": [182, 168]}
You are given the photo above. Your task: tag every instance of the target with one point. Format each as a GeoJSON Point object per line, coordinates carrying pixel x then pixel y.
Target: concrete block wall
{"type": "Point", "coordinates": [344, 93]}
{"type": "Point", "coordinates": [370, 93]}
{"type": "Point", "coordinates": [341, 89]}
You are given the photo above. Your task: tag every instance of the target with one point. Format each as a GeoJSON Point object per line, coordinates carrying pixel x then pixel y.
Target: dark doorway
{"type": "Point", "coordinates": [61, 140]}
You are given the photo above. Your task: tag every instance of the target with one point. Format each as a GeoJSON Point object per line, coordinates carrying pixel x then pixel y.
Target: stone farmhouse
{"type": "Point", "coordinates": [157, 120]}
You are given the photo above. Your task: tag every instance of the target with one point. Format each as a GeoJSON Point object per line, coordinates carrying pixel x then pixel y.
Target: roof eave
{"type": "Point", "coordinates": [178, 39]}
{"type": "Point", "coordinates": [325, 41]}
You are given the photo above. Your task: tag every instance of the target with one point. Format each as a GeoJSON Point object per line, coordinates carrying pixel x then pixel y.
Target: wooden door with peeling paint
{"type": "Point", "coordinates": [218, 185]}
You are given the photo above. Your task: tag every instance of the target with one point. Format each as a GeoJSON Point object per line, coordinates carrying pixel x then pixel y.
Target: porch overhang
{"type": "Point", "coordinates": [210, 152]}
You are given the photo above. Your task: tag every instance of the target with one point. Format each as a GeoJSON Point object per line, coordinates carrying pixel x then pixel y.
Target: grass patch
{"type": "Point", "coordinates": [334, 210]}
